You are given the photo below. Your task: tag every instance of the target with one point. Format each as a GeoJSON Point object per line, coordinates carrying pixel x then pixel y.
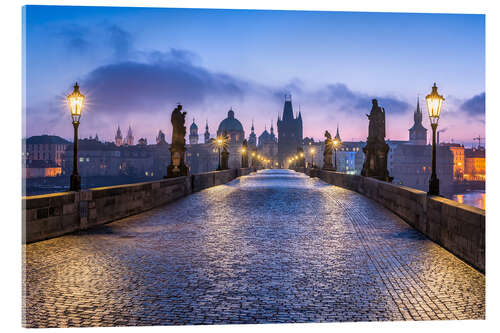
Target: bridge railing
{"type": "Point", "coordinates": [52, 215]}
{"type": "Point", "coordinates": [457, 227]}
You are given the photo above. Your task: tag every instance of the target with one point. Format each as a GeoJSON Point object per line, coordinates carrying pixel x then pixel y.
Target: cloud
{"type": "Point", "coordinates": [475, 106]}
{"type": "Point", "coordinates": [149, 87]}
{"type": "Point", "coordinates": [294, 86]}
{"type": "Point", "coordinates": [120, 40]}
{"type": "Point", "coordinates": [348, 100]}
{"type": "Point", "coordinates": [73, 38]}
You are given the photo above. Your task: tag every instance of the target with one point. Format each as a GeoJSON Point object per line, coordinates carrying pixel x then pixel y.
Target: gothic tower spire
{"type": "Point", "coordinates": [207, 133]}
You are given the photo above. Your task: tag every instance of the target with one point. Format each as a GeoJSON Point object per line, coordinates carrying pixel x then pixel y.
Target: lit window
{"type": "Point", "coordinates": [81, 159]}
{"type": "Point", "coordinates": [88, 159]}
{"type": "Point", "coordinates": [146, 173]}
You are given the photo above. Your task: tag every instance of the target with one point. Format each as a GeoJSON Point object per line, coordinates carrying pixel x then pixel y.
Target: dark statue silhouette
{"type": "Point", "coordinates": [178, 167]}
{"type": "Point", "coordinates": [376, 148]}
{"type": "Point", "coordinates": [327, 154]}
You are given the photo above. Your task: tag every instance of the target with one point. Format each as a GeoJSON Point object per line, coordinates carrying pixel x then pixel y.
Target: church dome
{"type": "Point", "coordinates": [230, 124]}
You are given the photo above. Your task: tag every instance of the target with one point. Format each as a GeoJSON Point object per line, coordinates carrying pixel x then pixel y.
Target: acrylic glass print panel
{"type": "Point", "coordinates": [202, 166]}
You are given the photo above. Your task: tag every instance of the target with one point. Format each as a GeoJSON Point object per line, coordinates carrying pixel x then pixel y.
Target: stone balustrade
{"type": "Point", "coordinates": [457, 227]}
{"type": "Point", "coordinates": [52, 215]}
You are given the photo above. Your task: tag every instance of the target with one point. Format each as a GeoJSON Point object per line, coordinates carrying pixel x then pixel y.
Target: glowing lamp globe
{"type": "Point", "coordinates": [75, 103]}
{"type": "Point", "coordinates": [434, 103]}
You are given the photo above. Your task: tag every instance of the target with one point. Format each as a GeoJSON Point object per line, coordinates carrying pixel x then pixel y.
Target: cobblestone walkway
{"type": "Point", "coordinates": [275, 246]}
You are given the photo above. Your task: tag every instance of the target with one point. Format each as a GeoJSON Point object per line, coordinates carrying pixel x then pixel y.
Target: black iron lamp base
{"type": "Point", "coordinates": [75, 183]}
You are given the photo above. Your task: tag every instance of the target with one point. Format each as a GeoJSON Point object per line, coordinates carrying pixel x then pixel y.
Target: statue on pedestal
{"type": "Point", "coordinates": [327, 154]}
{"type": "Point", "coordinates": [376, 148]}
{"type": "Point", "coordinates": [178, 167]}
{"type": "Point", "coordinates": [225, 155]}
{"type": "Point", "coordinates": [244, 154]}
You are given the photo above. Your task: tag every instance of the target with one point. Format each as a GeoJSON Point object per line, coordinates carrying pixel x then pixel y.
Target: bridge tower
{"type": "Point", "coordinates": [289, 132]}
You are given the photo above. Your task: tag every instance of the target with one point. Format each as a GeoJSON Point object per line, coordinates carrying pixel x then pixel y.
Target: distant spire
{"type": "Point", "coordinates": [337, 135]}
{"type": "Point", "coordinates": [206, 125]}
{"type": "Point", "coordinates": [252, 125]}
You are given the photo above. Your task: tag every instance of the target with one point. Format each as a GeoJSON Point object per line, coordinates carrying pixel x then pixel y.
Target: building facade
{"type": "Point", "coordinates": [475, 164]}
{"type": "Point", "coordinates": [458, 152]}
{"type": "Point", "coordinates": [48, 148]}
{"type": "Point", "coordinates": [350, 157]}
{"type": "Point", "coordinates": [411, 166]}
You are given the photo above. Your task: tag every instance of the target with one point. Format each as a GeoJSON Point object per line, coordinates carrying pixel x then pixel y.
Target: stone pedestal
{"type": "Point", "coordinates": [177, 167]}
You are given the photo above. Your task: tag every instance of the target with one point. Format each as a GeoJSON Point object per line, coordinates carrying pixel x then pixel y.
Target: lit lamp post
{"type": "Point", "coordinates": [336, 144]}
{"type": "Point", "coordinates": [219, 146]}
{"type": "Point", "coordinates": [312, 151]}
{"type": "Point", "coordinates": [75, 103]}
{"type": "Point", "coordinates": [434, 103]}
{"type": "Point", "coordinates": [219, 142]}
{"type": "Point", "coordinates": [244, 158]}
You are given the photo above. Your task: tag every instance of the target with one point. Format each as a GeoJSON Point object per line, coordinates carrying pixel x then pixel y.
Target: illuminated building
{"type": "Point", "coordinates": [458, 160]}
{"type": "Point", "coordinates": [475, 164]}
{"type": "Point", "coordinates": [40, 168]}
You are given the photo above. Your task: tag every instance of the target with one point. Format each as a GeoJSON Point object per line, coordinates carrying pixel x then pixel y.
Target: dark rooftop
{"type": "Point", "coordinates": [46, 139]}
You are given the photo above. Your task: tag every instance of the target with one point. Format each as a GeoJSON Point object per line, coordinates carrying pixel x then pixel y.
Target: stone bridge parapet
{"type": "Point", "coordinates": [457, 227]}
{"type": "Point", "coordinates": [52, 215]}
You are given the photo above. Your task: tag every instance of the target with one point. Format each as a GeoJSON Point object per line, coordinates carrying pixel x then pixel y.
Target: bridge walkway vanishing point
{"type": "Point", "coordinates": [274, 246]}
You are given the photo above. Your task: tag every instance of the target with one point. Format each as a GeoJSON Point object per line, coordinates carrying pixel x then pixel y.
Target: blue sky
{"type": "Point", "coordinates": [136, 63]}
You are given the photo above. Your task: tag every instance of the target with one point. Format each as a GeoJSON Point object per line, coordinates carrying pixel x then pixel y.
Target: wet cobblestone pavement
{"type": "Point", "coordinates": [275, 246]}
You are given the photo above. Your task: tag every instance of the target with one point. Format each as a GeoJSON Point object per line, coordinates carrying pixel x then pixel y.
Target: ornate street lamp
{"type": "Point", "coordinates": [336, 144]}
{"type": "Point", "coordinates": [219, 142]}
{"type": "Point", "coordinates": [312, 151]}
{"type": "Point", "coordinates": [75, 103]}
{"type": "Point", "coordinates": [434, 103]}
{"type": "Point", "coordinates": [244, 155]}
